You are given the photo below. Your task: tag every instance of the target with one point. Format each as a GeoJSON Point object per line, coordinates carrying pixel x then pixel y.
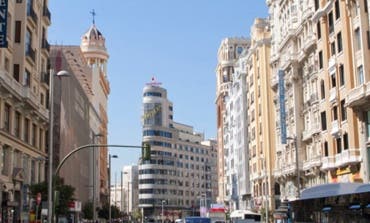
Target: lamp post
{"type": "Point", "coordinates": [95, 136]}
{"type": "Point", "coordinates": [163, 202]}
{"type": "Point", "coordinates": [297, 164]}
{"type": "Point", "coordinates": [109, 187]}
{"type": "Point", "coordinates": [51, 129]}
{"type": "Point", "coordinates": [266, 190]}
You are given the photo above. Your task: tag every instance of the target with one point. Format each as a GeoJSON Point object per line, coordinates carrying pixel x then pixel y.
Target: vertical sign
{"type": "Point", "coordinates": [282, 106]}
{"type": "Point", "coordinates": [3, 23]}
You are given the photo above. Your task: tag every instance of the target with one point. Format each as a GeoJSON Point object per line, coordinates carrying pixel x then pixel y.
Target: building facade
{"type": "Point", "coordinates": [24, 109]}
{"type": "Point", "coordinates": [318, 64]}
{"type": "Point", "coordinates": [229, 51]}
{"type": "Point", "coordinates": [261, 119]}
{"type": "Point", "coordinates": [87, 64]}
{"type": "Point", "coordinates": [179, 176]}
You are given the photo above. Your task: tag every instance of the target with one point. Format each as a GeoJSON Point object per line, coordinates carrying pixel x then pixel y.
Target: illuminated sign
{"type": "Point", "coordinates": [3, 23]}
{"type": "Point", "coordinates": [151, 113]}
{"type": "Point", "coordinates": [282, 106]}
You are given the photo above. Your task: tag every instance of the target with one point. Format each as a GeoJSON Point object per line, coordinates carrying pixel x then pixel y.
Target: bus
{"type": "Point", "coordinates": [244, 216]}
{"type": "Point", "coordinates": [197, 219]}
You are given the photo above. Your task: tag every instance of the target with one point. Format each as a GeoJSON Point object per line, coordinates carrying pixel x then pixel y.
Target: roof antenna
{"type": "Point", "coordinates": [93, 15]}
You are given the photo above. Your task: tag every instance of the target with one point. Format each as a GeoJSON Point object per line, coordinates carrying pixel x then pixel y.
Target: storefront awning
{"type": "Point", "coordinates": [334, 189]}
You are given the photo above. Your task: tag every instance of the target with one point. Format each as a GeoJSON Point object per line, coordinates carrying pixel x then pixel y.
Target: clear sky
{"type": "Point", "coordinates": [176, 41]}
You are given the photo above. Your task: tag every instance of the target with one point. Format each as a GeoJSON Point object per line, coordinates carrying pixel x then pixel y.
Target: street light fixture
{"type": "Point", "coordinates": [109, 187]}
{"type": "Point", "coordinates": [94, 137]}
{"type": "Point", "coordinates": [61, 73]}
{"type": "Point", "coordinates": [163, 202]}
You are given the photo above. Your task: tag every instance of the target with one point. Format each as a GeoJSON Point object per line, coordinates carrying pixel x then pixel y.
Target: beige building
{"type": "Point", "coordinates": [24, 114]}
{"type": "Point", "coordinates": [261, 119]}
{"type": "Point", "coordinates": [319, 49]}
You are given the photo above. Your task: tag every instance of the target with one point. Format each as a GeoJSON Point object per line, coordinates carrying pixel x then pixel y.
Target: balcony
{"type": "Point", "coordinates": [332, 95]}
{"type": "Point", "coordinates": [328, 163]}
{"type": "Point", "coordinates": [46, 15]}
{"type": "Point", "coordinates": [45, 45]}
{"type": "Point", "coordinates": [359, 96]}
{"type": "Point", "coordinates": [347, 157]}
{"type": "Point", "coordinates": [312, 130]}
{"type": "Point", "coordinates": [30, 96]}
{"type": "Point", "coordinates": [332, 66]}
{"type": "Point", "coordinates": [224, 88]}
{"type": "Point", "coordinates": [335, 130]}
{"type": "Point", "coordinates": [312, 162]}
{"type": "Point", "coordinates": [10, 83]}
{"type": "Point", "coordinates": [31, 53]}
{"type": "Point", "coordinates": [309, 42]}
{"type": "Point", "coordinates": [32, 15]}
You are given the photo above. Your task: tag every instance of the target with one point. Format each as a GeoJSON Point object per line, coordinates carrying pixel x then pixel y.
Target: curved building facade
{"type": "Point", "coordinates": [177, 181]}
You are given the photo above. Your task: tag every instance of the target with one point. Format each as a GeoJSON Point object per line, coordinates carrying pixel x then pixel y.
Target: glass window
{"type": "Point", "coordinates": [331, 22]}
{"type": "Point", "coordinates": [368, 124]}
{"type": "Point", "coordinates": [320, 60]}
{"type": "Point", "coordinates": [337, 10]}
{"type": "Point", "coordinates": [358, 38]}
{"type": "Point", "coordinates": [345, 141]}
{"type": "Point", "coordinates": [322, 87]}
{"type": "Point", "coordinates": [27, 78]}
{"type": "Point", "coordinates": [7, 117]}
{"type": "Point", "coordinates": [17, 124]}
{"type": "Point", "coordinates": [26, 130]}
{"type": "Point", "coordinates": [323, 121]}
{"type": "Point", "coordinates": [339, 42]}
{"type": "Point", "coordinates": [343, 110]}
{"type": "Point", "coordinates": [360, 75]}
{"type": "Point", "coordinates": [318, 27]}
{"type": "Point", "coordinates": [341, 74]}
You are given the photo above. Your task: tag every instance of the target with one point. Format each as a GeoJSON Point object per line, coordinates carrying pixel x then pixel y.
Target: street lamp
{"type": "Point", "coordinates": [266, 190]}
{"type": "Point", "coordinates": [95, 136]}
{"type": "Point", "coordinates": [163, 202]}
{"type": "Point", "coordinates": [297, 164]}
{"type": "Point", "coordinates": [109, 189]}
{"type": "Point", "coordinates": [61, 73]}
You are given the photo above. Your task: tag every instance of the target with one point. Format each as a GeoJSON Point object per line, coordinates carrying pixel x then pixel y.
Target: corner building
{"type": "Point", "coordinates": [181, 175]}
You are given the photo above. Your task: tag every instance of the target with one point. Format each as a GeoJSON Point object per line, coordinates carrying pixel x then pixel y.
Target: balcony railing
{"type": "Point", "coordinates": [312, 162]}
{"type": "Point", "coordinates": [46, 13]}
{"type": "Point", "coordinates": [358, 96]}
{"type": "Point", "coordinates": [31, 53]}
{"type": "Point", "coordinates": [45, 45]}
{"type": "Point", "coordinates": [11, 83]}
{"type": "Point", "coordinates": [328, 162]}
{"type": "Point", "coordinates": [31, 13]}
{"type": "Point", "coordinates": [346, 157]}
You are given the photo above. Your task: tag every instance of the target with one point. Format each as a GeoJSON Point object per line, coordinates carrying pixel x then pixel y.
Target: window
{"type": "Point", "coordinates": [343, 110]}
{"type": "Point", "coordinates": [335, 113]}
{"type": "Point", "coordinates": [341, 74]}
{"type": "Point", "coordinates": [26, 130]}
{"type": "Point", "coordinates": [7, 118]}
{"type": "Point", "coordinates": [326, 149]}
{"type": "Point", "coordinates": [332, 48]}
{"type": "Point", "coordinates": [360, 75]}
{"type": "Point", "coordinates": [27, 78]}
{"type": "Point", "coordinates": [318, 27]}
{"type": "Point", "coordinates": [322, 88]}
{"type": "Point", "coordinates": [339, 145]}
{"type": "Point", "coordinates": [320, 60]}
{"type": "Point", "coordinates": [17, 33]}
{"type": "Point", "coordinates": [345, 141]}
{"type": "Point", "coordinates": [333, 80]}
{"type": "Point", "coordinates": [357, 39]}
{"type": "Point", "coordinates": [365, 5]}
{"type": "Point", "coordinates": [34, 134]}
{"type": "Point", "coordinates": [368, 39]}
{"type": "Point", "coordinates": [6, 158]}
{"type": "Point", "coordinates": [339, 42]}
{"type": "Point", "coordinates": [337, 10]}
{"type": "Point", "coordinates": [367, 115]}
{"type": "Point", "coordinates": [323, 121]}
{"type": "Point", "coordinates": [28, 42]}
{"type": "Point", "coordinates": [331, 22]}
{"type": "Point", "coordinates": [6, 64]}
{"type": "Point", "coordinates": [317, 5]}
{"type": "Point", "coordinates": [17, 124]}
{"type": "Point", "coordinates": [16, 72]}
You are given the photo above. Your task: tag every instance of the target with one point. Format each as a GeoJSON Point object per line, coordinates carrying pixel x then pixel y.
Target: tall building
{"type": "Point", "coordinates": [318, 66]}
{"type": "Point", "coordinates": [180, 174]}
{"type": "Point", "coordinates": [87, 64]}
{"type": "Point", "coordinates": [24, 114]}
{"type": "Point", "coordinates": [261, 117]}
{"type": "Point", "coordinates": [229, 51]}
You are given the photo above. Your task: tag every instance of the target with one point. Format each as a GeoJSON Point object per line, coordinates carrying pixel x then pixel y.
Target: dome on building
{"type": "Point", "coordinates": [93, 34]}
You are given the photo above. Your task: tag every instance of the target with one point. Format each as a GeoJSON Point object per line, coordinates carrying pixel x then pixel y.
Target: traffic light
{"type": "Point", "coordinates": [145, 151]}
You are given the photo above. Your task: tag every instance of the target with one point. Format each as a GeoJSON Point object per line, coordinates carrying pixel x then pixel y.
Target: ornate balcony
{"type": "Point", "coordinates": [332, 66]}
{"type": "Point", "coordinates": [328, 163]}
{"type": "Point", "coordinates": [335, 130]}
{"type": "Point", "coordinates": [10, 83]}
{"type": "Point", "coordinates": [312, 162]}
{"type": "Point", "coordinates": [308, 133]}
{"type": "Point", "coordinates": [30, 97]}
{"type": "Point", "coordinates": [333, 95]}
{"type": "Point", "coordinates": [359, 96]}
{"type": "Point", "coordinates": [347, 157]}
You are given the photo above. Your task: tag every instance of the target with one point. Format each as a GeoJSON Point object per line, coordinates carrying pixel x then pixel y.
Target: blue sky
{"type": "Point", "coordinates": [176, 41]}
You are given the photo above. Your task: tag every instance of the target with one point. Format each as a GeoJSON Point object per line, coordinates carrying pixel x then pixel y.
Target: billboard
{"type": "Point", "coordinates": [3, 23]}
{"type": "Point", "coordinates": [282, 106]}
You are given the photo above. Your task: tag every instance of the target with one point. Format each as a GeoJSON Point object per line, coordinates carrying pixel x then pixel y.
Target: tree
{"type": "Point", "coordinates": [64, 193]}
{"type": "Point", "coordinates": [87, 210]}
{"type": "Point", "coordinates": [104, 212]}
{"type": "Point", "coordinates": [136, 215]}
